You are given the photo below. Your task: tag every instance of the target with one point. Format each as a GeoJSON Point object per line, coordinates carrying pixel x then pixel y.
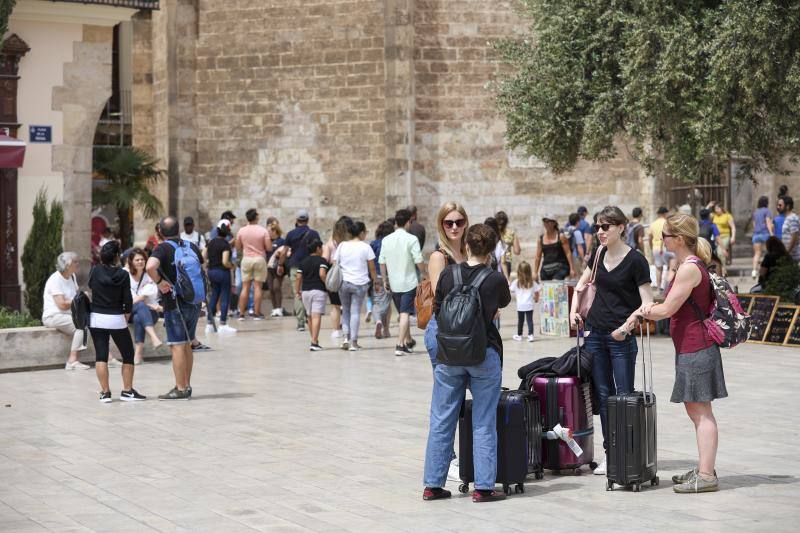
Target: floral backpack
{"type": "Point", "coordinates": [727, 324]}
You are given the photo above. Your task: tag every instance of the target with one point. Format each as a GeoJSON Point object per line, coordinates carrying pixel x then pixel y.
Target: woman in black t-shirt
{"type": "Point", "coordinates": [218, 258]}
{"type": "Point", "coordinates": [622, 283]}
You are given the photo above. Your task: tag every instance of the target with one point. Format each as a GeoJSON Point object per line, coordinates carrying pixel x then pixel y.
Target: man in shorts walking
{"type": "Point", "coordinates": [399, 260]}
{"type": "Point", "coordinates": [310, 287]}
{"type": "Point", "coordinates": [252, 243]}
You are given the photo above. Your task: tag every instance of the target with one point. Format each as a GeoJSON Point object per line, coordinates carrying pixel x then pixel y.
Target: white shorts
{"type": "Point", "coordinates": [661, 259]}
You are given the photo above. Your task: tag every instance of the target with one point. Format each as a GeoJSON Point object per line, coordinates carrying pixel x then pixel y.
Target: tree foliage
{"type": "Point", "coordinates": [41, 250]}
{"type": "Point", "coordinates": [129, 174]}
{"type": "Point", "coordinates": [684, 84]}
{"type": "Point", "coordinates": [6, 7]}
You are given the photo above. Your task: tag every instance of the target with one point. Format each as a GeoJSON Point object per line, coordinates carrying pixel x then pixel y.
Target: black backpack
{"type": "Point", "coordinates": [81, 308]}
{"type": "Point", "coordinates": [462, 337]}
{"type": "Point", "coordinates": [707, 232]}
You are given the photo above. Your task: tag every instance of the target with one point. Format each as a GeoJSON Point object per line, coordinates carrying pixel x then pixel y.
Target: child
{"type": "Point", "coordinates": [310, 288]}
{"type": "Point", "coordinates": [527, 292]}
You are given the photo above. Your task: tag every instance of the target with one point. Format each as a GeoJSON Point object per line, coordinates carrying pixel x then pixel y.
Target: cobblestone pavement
{"type": "Point", "coordinates": [278, 438]}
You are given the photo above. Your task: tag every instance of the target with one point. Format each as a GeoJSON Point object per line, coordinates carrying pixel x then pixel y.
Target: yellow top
{"type": "Point", "coordinates": [656, 230]}
{"type": "Point", "coordinates": [723, 222]}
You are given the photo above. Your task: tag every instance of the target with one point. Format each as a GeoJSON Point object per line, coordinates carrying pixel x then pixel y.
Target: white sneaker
{"type": "Point", "coordinates": [517, 338]}
{"type": "Point", "coordinates": [601, 469]}
{"type": "Point", "coordinates": [225, 328]}
{"type": "Point", "coordinates": [114, 362]}
{"type": "Point", "coordinates": [209, 328]}
{"type": "Point", "coordinates": [754, 274]}
{"type": "Point", "coordinates": [76, 365]}
{"type": "Point", "coordinates": [530, 338]}
{"type": "Point", "coordinates": [337, 333]}
{"type": "Point", "coordinates": [276, 312]}
{"type": "Point", "coordinates": [452, 472]}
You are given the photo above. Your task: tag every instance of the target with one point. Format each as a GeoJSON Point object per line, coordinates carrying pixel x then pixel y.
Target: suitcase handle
{"type": "Point", "coordinates": [644, 385]}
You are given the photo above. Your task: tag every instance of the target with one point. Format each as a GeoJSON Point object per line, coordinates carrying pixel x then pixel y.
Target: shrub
{"type": "Point", "coordinates": [41, 250]}
{"type": "Point", "coordinates": [15, 319]}
{"type": "Point", "coordinates": [784, 280]}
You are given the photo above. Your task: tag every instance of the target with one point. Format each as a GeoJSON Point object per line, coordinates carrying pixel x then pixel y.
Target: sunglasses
{"type": "Point", "coordinates": [604, 227]}
{"type": "Point", "coordinates": [457, 223]}
{"type": "Point", "coordinates": [665, 235]}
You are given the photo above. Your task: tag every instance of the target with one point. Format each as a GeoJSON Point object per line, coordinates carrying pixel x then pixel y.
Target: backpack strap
{"type": "Point", "coordinates": [699, 312]}
{"type": "Point", "coordinates": [480, 278]}
{"type": "Point", "coordinates": [457, 279]}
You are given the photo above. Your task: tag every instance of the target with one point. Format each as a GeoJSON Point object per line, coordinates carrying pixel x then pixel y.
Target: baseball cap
{"type": "Point", "coordinates": [302, 214]}
{"type": "Point", "coordinates": [188, 221]}
{"type": "Point", "coordinates": [549, 216]}
{"type": "Point", "coordinates": [224, 222]}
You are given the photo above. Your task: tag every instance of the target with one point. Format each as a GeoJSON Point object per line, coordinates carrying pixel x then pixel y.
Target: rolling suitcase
{"type": "Point", "coordinates": [566, 401]}
{"type": "Point", "coordinates": [632, 457]}
{"type": "Point", "coordinates": [519, 441]}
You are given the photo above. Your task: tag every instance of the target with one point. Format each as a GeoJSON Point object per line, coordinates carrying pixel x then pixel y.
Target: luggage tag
{"type": "Point", "coordinates": [565, 434]}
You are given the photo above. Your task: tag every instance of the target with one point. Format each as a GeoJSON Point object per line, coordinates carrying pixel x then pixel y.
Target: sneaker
{"type": "Point", "coordinates": [345, 345]}
{"type": "Point", "coordinates": [411, 343]}
{"type": "Point", "coordinates": [76, 365]}
{"type": "Point", "coordinates": [697, 484]}
{"type": "Point", "coordinates": [209, 328]}
{"type": "Point", "coordinates": [131, 396]}
{"type": "Point", "coordinates": [275, 313]}
{"type": "Point", "coordinates": [241, 318]}
{"type": "Point", "coordinates": [301, 328]}
{"type": "Point", "coordinates": [517, 337]}
{"type": "Point", "coordinates": [480, 496]}
{"type": "Point", "coordinates": [175, 394]}
{"type": "Point", "coordinates": [315, 347]}
{"type": "Point", "coordinates": [754, 273]}
{"type": "Point", "coordinates": [435, 493]}
{"type": "Point", "coordinates": [379, 330]}
{"type": "Point", "coordinates": [225, 328]}
{"type": "Point", "coordinates": [601, 469]}
{"type": "Point", "coordinates": [114, 362]}
{"type": "Point", "coordinates": [402, 350]}
{"type": "Point", "coordinates": [530, 338]}
{"type": "Point", "coordinates": [200, 347]}
{"type": "Point", "coordinates": [258, 317]}
{"type": "Point", "coordinates": [138, 362]}
{"type": "Point", "coordinates": [354, 346]}
{"type": "Point", "coordinates": [683, 478]}
{"type": "Point", "coordinates": [105, 397]}
{"type": "Point", "coordinates": [189, 391]}
{"type": "Point", "coordinates": [336, 334]}
{"type": "Point", "coordinates": [453, 472]}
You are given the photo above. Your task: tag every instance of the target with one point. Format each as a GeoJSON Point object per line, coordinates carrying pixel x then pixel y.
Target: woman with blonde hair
{"type": "Point", "coordinates": [339, 235]}
{"type": "Point", "coordinates": [699, 378]}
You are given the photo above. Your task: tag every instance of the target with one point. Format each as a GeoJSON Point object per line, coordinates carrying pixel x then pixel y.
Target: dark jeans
{"type": "Point", "coordinates": [122, 338]}
{"type": "Point", "coordinates": [613, 369]}
{"type": "Point", "coordinates": [143, 317]}
{"type": "Point", "coordinates": [528, 317]}
{"type": "Point", "coordinates": [220, 292]}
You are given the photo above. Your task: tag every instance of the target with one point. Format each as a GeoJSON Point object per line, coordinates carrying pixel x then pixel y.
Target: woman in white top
{"type": "Point", "coordinates": [145, 303]}
{"type": "Point", "coordinates": [59, 291]}
{"type": "Point", "coordinates": [356, 260]}
{"type": "Point", "coordinates": [340, 234]}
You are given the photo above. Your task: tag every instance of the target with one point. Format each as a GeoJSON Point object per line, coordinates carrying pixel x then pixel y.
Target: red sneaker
{"type": "Point", "coordinates": [435, 493]}
{"type": "Point", "coordinates": [480, 496]}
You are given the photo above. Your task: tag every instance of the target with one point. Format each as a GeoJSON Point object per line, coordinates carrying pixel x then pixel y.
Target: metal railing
{"type": "Point", "coordinates": [135, 4]}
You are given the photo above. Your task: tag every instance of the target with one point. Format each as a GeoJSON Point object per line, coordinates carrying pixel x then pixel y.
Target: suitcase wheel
{"type": "Point", "coordinates": [519, 489]}
{"type": "Point", "coordinates": [539, 475]}
{"type": "Point", "coordinates": [593, 465]}
{"type": "Point", "coordinates": [506, 489]}
{"type": "Point", "coordinates": [654, 481]}
{"type": "Point", "coordinates": [463, 488]}
{"type": "Point", "coordinates": [637, 487]}
{"type": "Point", "coordinates": [609, 485]}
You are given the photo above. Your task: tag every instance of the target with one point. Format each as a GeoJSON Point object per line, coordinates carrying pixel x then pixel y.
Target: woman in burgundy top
{"type": "Point", "coordinates": [699, 378]}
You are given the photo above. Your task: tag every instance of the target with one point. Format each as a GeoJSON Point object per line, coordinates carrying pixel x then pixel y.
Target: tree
{"type": "Point", "coordinates": [129, 173]}
{"type": "Point", "coordinates": [686, 85]}
{"type": "Point", "coordinates": [41, 250]}
{"type": "Point", "coordinates": [6, 7]}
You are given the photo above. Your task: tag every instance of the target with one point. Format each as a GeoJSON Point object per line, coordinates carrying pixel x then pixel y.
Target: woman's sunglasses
{"type": "Point", "coordinates": [665, 235]}
{"type": "Point", "coordinates": [604, 227]}
{"type": "Point", "coordinates": [457, 223]}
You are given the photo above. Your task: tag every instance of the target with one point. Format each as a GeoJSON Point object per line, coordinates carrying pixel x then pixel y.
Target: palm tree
{"type": "Point", "coordinates": [129, 173]}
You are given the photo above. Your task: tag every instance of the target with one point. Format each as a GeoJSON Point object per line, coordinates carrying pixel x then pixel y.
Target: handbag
{"type": "Point", "coordinates": [423, 303]}
{"type": "Point", "coordinates": [585, 294]}
{"type": "Point", "coordinates": [333, 281]}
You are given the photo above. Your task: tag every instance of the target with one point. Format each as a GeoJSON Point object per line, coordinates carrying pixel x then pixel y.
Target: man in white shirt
{"type": "Point", "coordinates": [399, 258]}
{"type": "Point", "coordinates": [192, 236]}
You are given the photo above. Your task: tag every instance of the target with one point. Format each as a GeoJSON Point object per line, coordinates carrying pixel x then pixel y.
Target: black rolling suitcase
{"type": "Point", "coordinates": [519, 441]}
{"type": "Point", "coordinates": [632, 450]}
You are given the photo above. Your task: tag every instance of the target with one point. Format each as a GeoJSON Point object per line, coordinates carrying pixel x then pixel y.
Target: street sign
{"type": "Point", "coordinates": [40, 134]}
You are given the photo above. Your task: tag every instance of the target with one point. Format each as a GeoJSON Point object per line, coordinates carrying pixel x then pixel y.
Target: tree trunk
{"type": "Point", "coordinates": [125, 228]}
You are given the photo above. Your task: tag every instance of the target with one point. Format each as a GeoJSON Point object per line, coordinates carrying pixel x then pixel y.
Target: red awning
{"type": "Point", "coordinates": [12, 152]}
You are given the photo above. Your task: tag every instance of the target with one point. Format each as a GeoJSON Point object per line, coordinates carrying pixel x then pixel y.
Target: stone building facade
{"type": "Point", "coordinates": [354, 107]}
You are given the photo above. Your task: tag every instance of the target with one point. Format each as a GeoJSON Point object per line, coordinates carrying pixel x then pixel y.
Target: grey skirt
{"type": "Point", "coordinates": [699, 376]}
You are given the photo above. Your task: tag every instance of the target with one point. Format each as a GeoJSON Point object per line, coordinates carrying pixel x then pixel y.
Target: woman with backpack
{"type": "Point", "coordinates": [553, 256]}
{"type": "Point", "coordinates": [622, 284]}
{"type": "Point", "coordinates": [699, 378]}
{"type": "Point", "coordinates": [111, 307]}
{"type": "Point", "coordinates": [480, 370]}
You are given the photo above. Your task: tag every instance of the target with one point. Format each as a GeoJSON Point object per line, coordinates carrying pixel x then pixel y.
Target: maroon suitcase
{"type": "Point", "coordinates": [566, 401]}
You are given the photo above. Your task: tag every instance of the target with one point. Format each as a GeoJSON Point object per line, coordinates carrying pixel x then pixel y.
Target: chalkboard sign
{"type": "Point", "coordinates": [761, 312]}
{"type": "Point", "coordinates": [745, 300]}
{"type": "Point", "coordinates": [781, 322]}
{"type": "Point", "coordinates": [793, 337]}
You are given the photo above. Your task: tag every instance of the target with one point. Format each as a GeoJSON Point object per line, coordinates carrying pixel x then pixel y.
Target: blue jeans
{"type": "Point", "coordinates": [449, 386]}
{"type": "Point", "coordinates": [220, 292]}
{"type": "Point", "coordinates": [352, 297]}
{"type": "Point", "coordinates": [613, 369]}
{"type": "Point", "coordinates": [143, 317]}
{"type": "Point", "coordinates": [430, 340]}
{"type": "Point", "coordinates": [174, 322]}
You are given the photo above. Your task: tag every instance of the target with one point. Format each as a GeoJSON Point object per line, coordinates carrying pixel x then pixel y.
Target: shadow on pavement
{"type": "Point", "coordinates": [744, 480]}
{"type": "Point", "coordinates": [225, 396]}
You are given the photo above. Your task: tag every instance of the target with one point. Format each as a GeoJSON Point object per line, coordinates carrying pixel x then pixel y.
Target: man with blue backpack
{"type": "Point", "coordinates": [176, 266]}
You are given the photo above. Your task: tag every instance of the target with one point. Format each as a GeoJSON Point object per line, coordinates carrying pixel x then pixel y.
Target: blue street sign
{"type": "Point", "coordinates": [40, 134]}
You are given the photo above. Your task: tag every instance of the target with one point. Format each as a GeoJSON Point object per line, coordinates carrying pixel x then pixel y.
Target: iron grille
{"type": "Point", "coordinates": [134, 4]}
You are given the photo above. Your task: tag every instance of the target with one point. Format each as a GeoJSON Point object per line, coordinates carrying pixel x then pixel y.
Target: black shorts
{"type": "Point", "coordinates": [404, 301]}
{"type": "Point", "coordinates": [335, 300]}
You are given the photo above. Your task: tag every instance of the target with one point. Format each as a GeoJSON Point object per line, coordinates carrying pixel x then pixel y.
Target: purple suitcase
{"type": "Point", "coordinates": [566, 401]}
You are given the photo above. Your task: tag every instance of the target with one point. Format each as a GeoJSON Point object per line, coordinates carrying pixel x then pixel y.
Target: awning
{"type": "Point", "coordinates": [12, 152]}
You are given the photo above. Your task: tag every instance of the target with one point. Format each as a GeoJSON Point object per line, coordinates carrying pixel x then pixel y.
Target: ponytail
{"type": "Point", "coordinates": [703, 250]}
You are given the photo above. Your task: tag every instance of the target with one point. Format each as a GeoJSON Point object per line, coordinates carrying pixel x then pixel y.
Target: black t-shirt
{"type": "Point", "coordinates": [494, 295]}
{"type": "Point", "coordinates": [617, 294]}
{"type": "Point", "coordinates": [165, 253]}
{"type": "Point", "coordinates": [215, 247]}
{"type": "Point", "coordinates": [309, 268]}
{"type": "Point", "coordinates": [298, 240]}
